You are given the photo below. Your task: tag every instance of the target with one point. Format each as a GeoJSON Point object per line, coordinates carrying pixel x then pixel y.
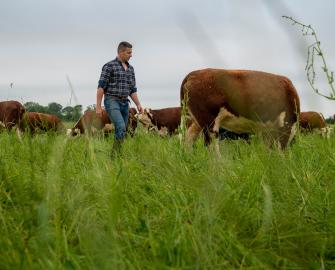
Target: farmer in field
{"type": "Point", "coordinates": [116, 84]}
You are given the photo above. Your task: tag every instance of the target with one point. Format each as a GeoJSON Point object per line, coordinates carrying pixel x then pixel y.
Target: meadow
{"type": "Point", "coordinates": [64, 204]}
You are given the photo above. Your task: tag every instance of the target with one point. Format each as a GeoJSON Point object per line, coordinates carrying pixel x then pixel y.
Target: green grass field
{"type": "Point", "coordinates": [65, 205]}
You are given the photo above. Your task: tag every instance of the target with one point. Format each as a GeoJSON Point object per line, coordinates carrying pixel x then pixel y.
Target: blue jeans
{"type": "Point", "coordinates": [117, 111]}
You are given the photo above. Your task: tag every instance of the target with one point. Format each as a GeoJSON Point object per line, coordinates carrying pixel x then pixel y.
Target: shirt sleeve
{"type": "Point", "coordinates": [133, 88]}
{"type": "Point", "coordinates": [105, 77]}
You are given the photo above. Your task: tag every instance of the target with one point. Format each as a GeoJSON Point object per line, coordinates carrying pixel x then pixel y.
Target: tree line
{"type": "Point", "coordinates": [67, 113]}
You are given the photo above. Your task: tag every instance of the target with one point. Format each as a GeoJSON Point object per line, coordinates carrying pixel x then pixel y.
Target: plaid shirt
{"type": "Point", "coordinates": [116, 81]}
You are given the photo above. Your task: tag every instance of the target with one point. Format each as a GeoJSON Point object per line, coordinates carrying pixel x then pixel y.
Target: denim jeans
{"type": "Point", "coordinates": [118, 111]}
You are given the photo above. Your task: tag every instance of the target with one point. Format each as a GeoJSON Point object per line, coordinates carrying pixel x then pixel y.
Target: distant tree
{"type": "Point", "coordinates": [72, 113]}
{"type": "Point", "coordinates": [77, 112]}
{"type": "Point", "coordinates": [55, 109]}
{"type": "Point", "coordinates": [90, 108]}
{"type": "Point", "coordinates": [330, 120]}
{"type": "Point", "coordinates": [67, 113]}
{"type": "Point", "coordinates": [34, 107]}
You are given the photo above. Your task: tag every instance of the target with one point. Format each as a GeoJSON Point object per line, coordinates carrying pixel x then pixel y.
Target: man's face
{"type": "Point", "coordinates": [125, 54]}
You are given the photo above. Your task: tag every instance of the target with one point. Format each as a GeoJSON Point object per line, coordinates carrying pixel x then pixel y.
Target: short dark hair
{"type": "Point", "coordinates": [123, 45]}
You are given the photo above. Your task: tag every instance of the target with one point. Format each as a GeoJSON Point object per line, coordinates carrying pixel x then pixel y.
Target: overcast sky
{"type": "Point", "coordinates": [43, 41]}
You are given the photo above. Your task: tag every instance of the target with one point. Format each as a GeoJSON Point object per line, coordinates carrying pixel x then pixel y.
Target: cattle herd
{"type": "Point", "coordinates": [225, 104]}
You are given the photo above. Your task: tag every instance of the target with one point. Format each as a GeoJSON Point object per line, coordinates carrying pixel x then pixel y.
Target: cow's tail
{"type": "Point", "coordinates": [289, 129]}
{"type": "Point", "coordinates": [185, 115]}
{"type": "Point", "coordinates": [184, 90]}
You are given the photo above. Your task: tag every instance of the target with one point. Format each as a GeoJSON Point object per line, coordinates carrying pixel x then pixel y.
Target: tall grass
{"type": "Point", "coordinates": [65, 205]}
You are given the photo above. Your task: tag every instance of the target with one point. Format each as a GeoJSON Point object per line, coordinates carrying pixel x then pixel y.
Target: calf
{"type": "Point", "coordinates": [164, 120]}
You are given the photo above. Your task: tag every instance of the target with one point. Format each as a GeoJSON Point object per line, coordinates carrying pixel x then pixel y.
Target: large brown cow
{"type": "Point", "coordinates": [90, 122]}
{"type": "Point", "coordinates": [11, 113]}
{"type": "Point", "coordinates": [163, 120]}
{"type": "Point", "coordinates": [309, 121]}
{"type": "Point", "coordinates": [35, 122]}
{"type": "Point", "coordinates": [241, 101]}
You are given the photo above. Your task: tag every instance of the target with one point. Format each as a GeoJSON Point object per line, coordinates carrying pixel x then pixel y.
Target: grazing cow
{"type": "Point", "coordinates": [90, 123]}
{"type": "Point", "coordinates": [166, 120]}
{"type": "Point", "coordinates": [11, 113]}
{"type": "Point", "coordinates": [241, 101]}
{"type": "Point", "coordinates": [314, 121]}
{"type": "Point", "coordinates": [35, 121]}
{"type": "Point", "coordinates": [309, 121]}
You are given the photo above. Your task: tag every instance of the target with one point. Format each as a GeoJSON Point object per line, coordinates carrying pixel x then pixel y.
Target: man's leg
{"type": "Point", "coordinates": [124, 108]}
{"type": "Point", "coordinates": [113, 109]}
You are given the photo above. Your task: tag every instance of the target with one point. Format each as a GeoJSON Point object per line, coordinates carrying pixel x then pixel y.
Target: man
{"type": "Point", "coordinates": [116, 84]}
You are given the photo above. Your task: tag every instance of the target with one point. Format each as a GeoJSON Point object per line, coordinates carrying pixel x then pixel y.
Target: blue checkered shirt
{"type": "Point", "coordinates": [116, 81]}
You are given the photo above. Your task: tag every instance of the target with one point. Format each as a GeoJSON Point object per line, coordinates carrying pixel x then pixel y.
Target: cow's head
{"type": "Point", "coordinates": [71, 132]}
{"type": "Point", "coordinates": [145, 118]}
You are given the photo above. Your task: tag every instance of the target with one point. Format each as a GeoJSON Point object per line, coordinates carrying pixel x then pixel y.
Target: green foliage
{"type": "Point", "coordinates": [34, 107]}
{"type": "Point", "coordinates": [314, 51]}
{"type": "Point", "coordinates": [68, 113]}
{"type": "Point", "coordinates": [65, 205]}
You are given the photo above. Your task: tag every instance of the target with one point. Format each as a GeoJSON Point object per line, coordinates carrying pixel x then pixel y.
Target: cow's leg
{"type": "Point", "coordinates": [207, 136]}
{"type": "Point", "coordinates": [192, 133]}
{"type": "Point", "coordinates": [287, 134]}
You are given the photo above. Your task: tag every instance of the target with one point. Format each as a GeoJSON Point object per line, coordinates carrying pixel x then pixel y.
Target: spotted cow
{"type": "Point", "coordinates": [165, 121]}
{"type": "Point", "coordinates": [241, 101]}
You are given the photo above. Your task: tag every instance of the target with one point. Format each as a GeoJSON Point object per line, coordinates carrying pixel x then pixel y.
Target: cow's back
{"type": "Point", "coordinates": [34, 121]}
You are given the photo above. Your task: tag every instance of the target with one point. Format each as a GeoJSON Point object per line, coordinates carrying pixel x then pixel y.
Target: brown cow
{"type": "Point", "coordinates": [164, 120]}
{"type": "Point", "coordinates": [241, 101]}
{"type": "Point", "coordinates": [309, 121]}
{"type": "Point", "coordinates": [91, 123]}
{"type": "Point", "coordinates": [11, 113]}
{"type": "Point", "coordinates": [35, 121]}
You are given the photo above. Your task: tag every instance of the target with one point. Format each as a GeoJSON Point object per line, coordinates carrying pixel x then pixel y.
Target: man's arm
{"type": "Point", "coordinates": [134, 97]}
{"type": "Point", "coordinates": [100, 94]}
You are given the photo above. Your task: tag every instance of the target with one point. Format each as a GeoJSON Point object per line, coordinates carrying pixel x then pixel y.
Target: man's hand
{"type": "Point", "coordinates": [137, 102]}
{"type": "Point", "coordinates": [100, 93]}
{"type": "Point", "coordinates": [98, 111]}
{"type": "Point", "coordinates": [139, 108]}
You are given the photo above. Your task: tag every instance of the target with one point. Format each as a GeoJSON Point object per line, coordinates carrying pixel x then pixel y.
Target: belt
{"type": "Point", "coordinates": [119, 98]}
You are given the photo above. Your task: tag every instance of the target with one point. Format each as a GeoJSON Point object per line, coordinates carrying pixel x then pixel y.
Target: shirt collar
{"type": "Point", "coordinates": [117, 59]}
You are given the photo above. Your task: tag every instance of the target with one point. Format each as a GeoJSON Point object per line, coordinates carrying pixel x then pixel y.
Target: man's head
{"type": "Point", "coordinates": [124, 51]}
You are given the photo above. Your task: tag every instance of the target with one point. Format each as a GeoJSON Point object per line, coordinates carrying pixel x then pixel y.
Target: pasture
{"type": "Point", "coordinates": [65, 205]}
